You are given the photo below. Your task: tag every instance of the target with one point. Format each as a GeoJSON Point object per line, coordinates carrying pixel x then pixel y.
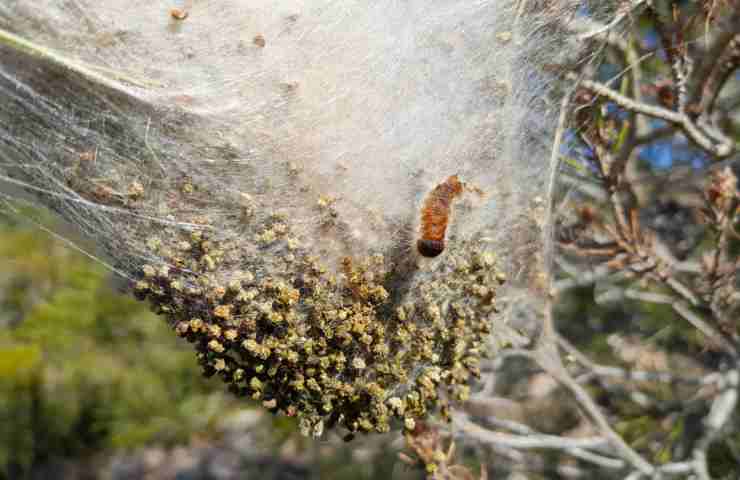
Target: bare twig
{"type": "Point", "coordinates": [626, 10]}
{"type": "Point", "coordinates": [713, 334]}
{"type": "Point", "coordinates": [531, 440]}
{"type": "Point", "coordinates": [682, 120]}
{"type": "Point", "coordinates": [719, 415]}
{"type": "Point", "coordinates": [704, 327]}
{"type": "Point", "coordinates": [625, 374]}
{"type": "Point", "coordinates": [554, 368]}
{"type": "Point", "coordinates": [582, 279]}
{"type": "Point", "coordinates": [727, 28]}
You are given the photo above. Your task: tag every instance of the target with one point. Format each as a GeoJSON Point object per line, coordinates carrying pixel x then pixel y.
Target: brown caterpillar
{"type": "Point", "coordinates": [435, 214]}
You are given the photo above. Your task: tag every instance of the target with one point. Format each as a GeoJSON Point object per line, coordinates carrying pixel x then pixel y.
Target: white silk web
{"type": "Point", "coordinates": [292, 135]}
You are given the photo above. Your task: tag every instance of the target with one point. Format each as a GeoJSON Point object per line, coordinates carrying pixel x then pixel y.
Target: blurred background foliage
{"type": "Point", "coordinates": [82, 367]}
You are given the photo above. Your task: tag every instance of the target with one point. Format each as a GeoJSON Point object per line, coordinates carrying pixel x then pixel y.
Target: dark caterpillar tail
{"type": "Point", "coordinates": [430, 248]}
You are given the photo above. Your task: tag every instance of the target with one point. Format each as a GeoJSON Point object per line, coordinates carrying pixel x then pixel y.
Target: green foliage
{"type": "Point", "coordinates": [723, 457]}
{"type": "Point", "coordinates": [82, 367]}
{"type": "Point", "coordinates": [20, 362]}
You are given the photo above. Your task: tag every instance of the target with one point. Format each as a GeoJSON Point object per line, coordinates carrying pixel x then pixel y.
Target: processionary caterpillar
{"type": "Point", "coordinates": [435, 214]}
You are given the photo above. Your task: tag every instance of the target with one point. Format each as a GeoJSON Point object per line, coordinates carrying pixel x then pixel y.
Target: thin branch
{"type": "Point", "coordinates": [655, 135]}
{"type": "Point", "coordinates": [704, 327]}
{"type": "Point", "coordinates": [87, 71]}
{"type": "Point", "coordinates": [676, 468]}
{"type": "Point", "coordinates": [626, 374]}
{"type": "Point", "coordinates": [727, 28]}
{"type": "Point", "coordinates": [554, 367]}
{"type": "Point", "coordinates": [582, 280]}
{"type": "Point", "coordinates": [719, 415]}
{"type": "Point", "coordinates": [685, 311]}
{"type": "Point", "coordinates": [720, 150]}
{"type": "Point", "coordinates": [532, 440]}
{"type": "Point", "coordinates": [548, 233]}
{"type": "Point", "coordinates": [671, 38]}
{"type": "Point", "coordinates": [627, 9]}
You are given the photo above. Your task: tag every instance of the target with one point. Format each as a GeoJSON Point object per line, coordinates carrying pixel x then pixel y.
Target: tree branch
{"type": "Point", "coordinates": [554, 368]}
{"type": "Point", "coordinates": [719, 415]}
{"type": "Point", "coordinates": [682, 120]}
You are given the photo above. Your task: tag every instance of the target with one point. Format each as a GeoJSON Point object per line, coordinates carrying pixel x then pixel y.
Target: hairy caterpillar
{"type": "Point", "coordinates": [435, 215]}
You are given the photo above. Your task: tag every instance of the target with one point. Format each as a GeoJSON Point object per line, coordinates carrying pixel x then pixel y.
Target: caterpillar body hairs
{"type": "Point", "coordinates": [435, 216]}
